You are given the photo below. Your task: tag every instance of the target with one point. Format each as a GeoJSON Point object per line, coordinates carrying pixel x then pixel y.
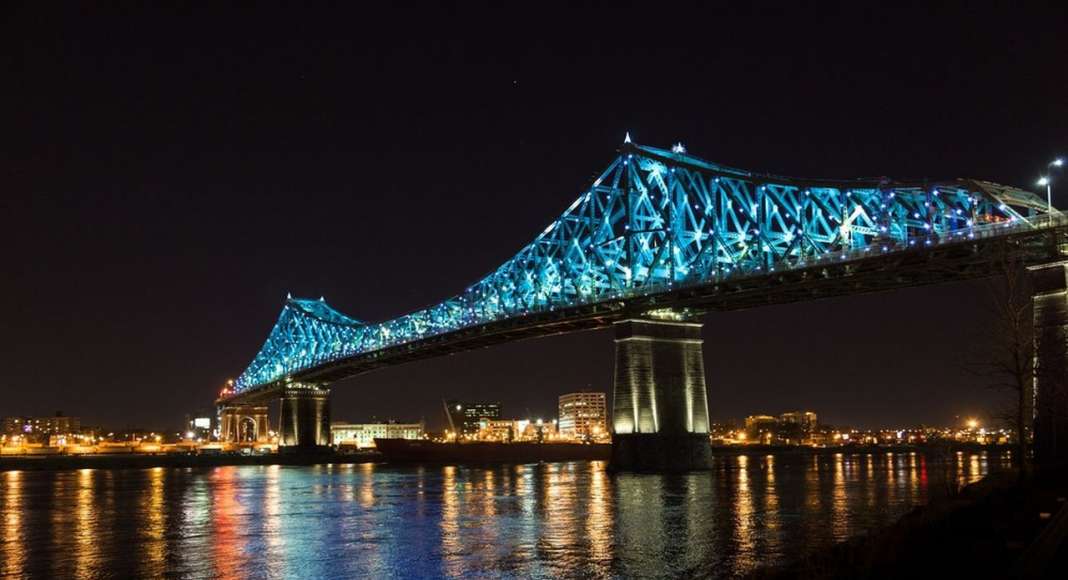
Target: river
{"type": "Point", "coordinates": [537, 520]}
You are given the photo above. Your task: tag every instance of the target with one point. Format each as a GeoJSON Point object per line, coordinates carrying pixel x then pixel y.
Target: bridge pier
{"type": "Point", "coordinates": [305, 418]}
{"type": "Point", "coordinates": [660, 408]}
{"type": "Point", "coordinates": [243, 423]}
{"type": "Point", "coordinates": [1050, 389]}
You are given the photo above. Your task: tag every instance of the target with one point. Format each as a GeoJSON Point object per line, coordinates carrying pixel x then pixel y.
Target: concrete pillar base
{"type": "Point", "coordinates": [1050, 387]}
{"type": "Point", "coordinates": [243, 423]}
{"type": "Point", "coordinates": [661, 452]}
{"type": "Point", "coordinates": [660, 412]}
{"type": "Point", "coordinates": [305, 418]}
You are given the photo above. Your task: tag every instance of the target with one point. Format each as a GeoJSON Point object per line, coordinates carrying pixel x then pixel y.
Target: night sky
{"type": "Point", "coordinates": [169, 175]}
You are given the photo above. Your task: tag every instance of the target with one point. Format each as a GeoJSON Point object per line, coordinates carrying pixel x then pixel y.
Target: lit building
{"type": "Point", "coordinates": [761, 428]}
{"type": "Point", "coordinates": [200, 426]}
{"type": "Point", "coordinates": [499, 430]}
{"type": "Point", "coordinates": [806, 419]}
{"type": "Point", "coordinates": [511, 431]}
{"type": "Point", "coordinates": [583, 416]}
{"type": "Point", "coordinates": [470, 418]}
{"type": "Point", "coordinates": [536, 430]}
{"type": "Point", "coordinates": [362, 435]}
{"type": "Point", "coordinates": [40, 429]}
{"type": "Point", "coordinates": [796, 427]}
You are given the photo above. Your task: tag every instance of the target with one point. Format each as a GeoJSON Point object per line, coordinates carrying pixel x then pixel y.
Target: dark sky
{"type": "Point", "coordinates": [169, 174]}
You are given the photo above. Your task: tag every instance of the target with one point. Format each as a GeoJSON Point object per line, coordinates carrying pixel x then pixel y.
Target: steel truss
{"type": "Point", "coordinates": [657, 224]}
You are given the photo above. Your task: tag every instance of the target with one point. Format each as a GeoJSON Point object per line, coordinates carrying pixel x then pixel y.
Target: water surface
{"type": "Point", "coordinates": [536, 520]}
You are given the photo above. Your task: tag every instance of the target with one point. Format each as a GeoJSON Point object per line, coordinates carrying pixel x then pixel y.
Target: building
{"type": "Point", "coordinates": [797, 427]}
{"type": "Point", "coordinates": [470, 418]}
{"type": "Point", "coordinates": [792, 428]}
{"type": "Point", "coordinates": [806, 419]}
{"type": "Point", "coordinates": [499, 430]}
{"type": "Point", "coordinates": [40, 429]}
{"type": "Point", "coordinates": [583, 416]}
{"type": "Point", "coordinates": [201, 425]}
{"type": "Point", "coordinates": [362, 435]}
{"type": "Point", "coordinates": [517, 430]}
{"type": "Point", "coordinates": [761, 428]}
{"type": "Point", "coordinates": [237, 424]}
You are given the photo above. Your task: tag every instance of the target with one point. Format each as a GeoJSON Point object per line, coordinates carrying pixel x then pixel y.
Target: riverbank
{"type": "Point", "coordinates": [143, 461]}
{"type": "Point", "coordinates": [1000, 527]}
{"type": "Point", "coordinates": [147, 460]}
{"type": "Point", "coordinates": [948, 446]}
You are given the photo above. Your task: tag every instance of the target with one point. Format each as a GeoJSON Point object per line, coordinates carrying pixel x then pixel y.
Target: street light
{"type": "Point", "coordinates": [1049, 192]}
{"type": "Point", "coordinates": [1046, 180]}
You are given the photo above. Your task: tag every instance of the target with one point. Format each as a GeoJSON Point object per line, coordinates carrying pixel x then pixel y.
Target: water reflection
{"type": "Point", "coordinates": [744, 531]}
{"type": "Point", "coordinates": [154, 529]}
{"type": "Point", "coordinates": [274, 543]}
{"type": "Point", "coordinates": [599, 520]}
{"type": "Point", "coordinates": [536, 520]}
{"type": "Point", "coordinates": [87, 540]}
{"type": "Point", "coordinates": [12, 549]}
{"type": "Point", "coordinates": [227, 521]}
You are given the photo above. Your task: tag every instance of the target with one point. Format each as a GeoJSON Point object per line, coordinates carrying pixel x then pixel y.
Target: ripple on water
{"type": "Point", "coordinates": [536, 520]}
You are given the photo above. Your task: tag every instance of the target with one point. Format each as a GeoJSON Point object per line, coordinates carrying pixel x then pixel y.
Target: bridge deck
{"type": "Point", "coordinates": [981, 254]}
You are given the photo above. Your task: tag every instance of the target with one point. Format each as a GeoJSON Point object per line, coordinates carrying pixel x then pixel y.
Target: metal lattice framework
{"type": "Point", "coordinates": [656, 220]}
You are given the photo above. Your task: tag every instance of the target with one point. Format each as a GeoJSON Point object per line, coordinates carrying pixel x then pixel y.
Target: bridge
{"type": "Point", "coordinates": [657, 240]}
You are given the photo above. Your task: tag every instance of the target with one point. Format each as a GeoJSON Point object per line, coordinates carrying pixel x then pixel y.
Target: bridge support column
{"type": "Point", "coordinates": [1050, 390]}
{"type": "Point", "coordinates": [660, 408]}
{"type": "Point", "coordinates": [243, 423]}
{"type": "Point", "coordinates": [305, 418]}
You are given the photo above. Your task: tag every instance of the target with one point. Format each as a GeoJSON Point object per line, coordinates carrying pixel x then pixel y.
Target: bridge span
{"type": "Point", "coordinates": [660, 238]}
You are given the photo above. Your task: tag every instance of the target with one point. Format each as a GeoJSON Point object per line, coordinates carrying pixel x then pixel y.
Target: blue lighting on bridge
{"type": "Point", "coordinates": [655, 221]}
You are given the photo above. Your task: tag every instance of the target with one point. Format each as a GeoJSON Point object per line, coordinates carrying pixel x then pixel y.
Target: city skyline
{"type": "Point", "coordinates": [437, 422]}
{"type": "Point", "coordinates": [143, 211]}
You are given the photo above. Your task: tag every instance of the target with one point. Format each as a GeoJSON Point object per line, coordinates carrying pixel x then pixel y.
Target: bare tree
{"type": "Point", "coordinates": [1005, 359]}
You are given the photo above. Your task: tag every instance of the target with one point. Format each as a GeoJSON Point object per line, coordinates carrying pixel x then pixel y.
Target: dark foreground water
{"type": "Point", "coordinates": [377, 521]}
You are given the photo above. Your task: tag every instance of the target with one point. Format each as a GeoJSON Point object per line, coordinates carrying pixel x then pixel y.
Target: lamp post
{"type": "Point", "coordinates": [1049, 193]}
{"type": "Point", "coordinates": [1047, 180]}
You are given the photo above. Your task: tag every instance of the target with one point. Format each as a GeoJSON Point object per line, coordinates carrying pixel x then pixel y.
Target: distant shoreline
{"type": "Point", "coordinates": [853, 448]}
{"type": "Point", "coordinates": [145, 461]}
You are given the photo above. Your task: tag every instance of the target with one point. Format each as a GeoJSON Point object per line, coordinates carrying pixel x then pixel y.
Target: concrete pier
{"type": "Point", "coordinates": [1050, 394]}
{"type": "Point", "coordinates": [243, 423]}
{"type": "Point", "coordinates": [305, 418]}
{"type": "Point", "coordinates": [660, 409]}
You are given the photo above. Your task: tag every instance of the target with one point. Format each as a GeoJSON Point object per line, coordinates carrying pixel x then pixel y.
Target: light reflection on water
{"type": "Point", "coordinates": [536, 520]}
{"type": "Point", "coordinates": [12, 548]}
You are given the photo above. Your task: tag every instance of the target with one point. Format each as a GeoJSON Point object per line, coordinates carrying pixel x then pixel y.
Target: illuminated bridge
{"type": "Point", "coordinates": [659, 238]}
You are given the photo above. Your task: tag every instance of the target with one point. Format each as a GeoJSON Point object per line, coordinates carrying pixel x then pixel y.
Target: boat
{"type": "Point", "coordinates": [423, 451]}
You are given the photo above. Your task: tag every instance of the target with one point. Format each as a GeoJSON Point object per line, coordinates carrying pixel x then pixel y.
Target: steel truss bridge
{"type": "Point", "coordinates": [662, 229]}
